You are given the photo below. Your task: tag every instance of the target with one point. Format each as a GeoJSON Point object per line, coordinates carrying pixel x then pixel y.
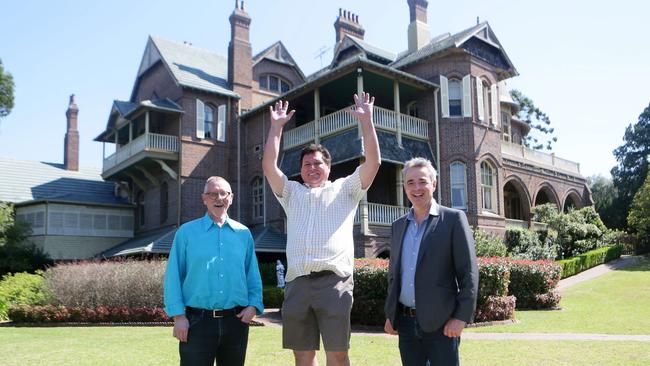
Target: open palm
{"type": "Point", "coordinates": [363, 107]}
{"type": "Point", "coordinates": [279, 115]}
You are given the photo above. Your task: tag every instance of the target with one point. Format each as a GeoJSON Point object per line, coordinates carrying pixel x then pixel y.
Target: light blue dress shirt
{"type": "Point", "coordinates": [212, 267]}
{"type": "Point", "coordinates": [410, 250]}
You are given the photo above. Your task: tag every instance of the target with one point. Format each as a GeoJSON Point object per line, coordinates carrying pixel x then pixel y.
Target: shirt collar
{"type": "Point", "coordinates": [433, 210]}
{"type": "Point", "coordinates": [207, 222]}
{"type": "Point", "coordinates": [322, 185]}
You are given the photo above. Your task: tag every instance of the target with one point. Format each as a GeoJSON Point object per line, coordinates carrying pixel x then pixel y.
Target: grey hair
{"type": "Point", "coordinates": [214, 179]}
{"type": "Point", "coordinates": [420, 163]}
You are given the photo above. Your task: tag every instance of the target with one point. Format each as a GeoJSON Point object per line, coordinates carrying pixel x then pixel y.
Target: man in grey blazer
{"type": "Point", "coordinates": [433, 276]}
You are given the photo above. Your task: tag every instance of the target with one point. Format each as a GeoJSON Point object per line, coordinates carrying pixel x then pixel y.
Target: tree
{"type": "Point", "coordinates": [632, 158]}
{"type": "Point", "coordinates": [6, 92]}
{"type": "Point", "coordinates": [17, 254]}
{"type": "Point", "coordinates": [541, 136]}
{"type": "Point", "coordinates": [639, 218]}
{"type": "Point", "coordinates": [606, 201]}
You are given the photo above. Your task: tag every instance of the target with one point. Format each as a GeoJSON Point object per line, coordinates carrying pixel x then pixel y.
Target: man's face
{"type": "Point", "coordinates": [314, 171]}
{"type": "Point", "coordinates": [217, 198]}
{"type": "Point", "coordinates": [419, 187]}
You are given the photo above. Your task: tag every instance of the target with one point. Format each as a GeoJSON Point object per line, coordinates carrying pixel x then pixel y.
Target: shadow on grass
{"type": "Point", "coordinates": [642, 265]}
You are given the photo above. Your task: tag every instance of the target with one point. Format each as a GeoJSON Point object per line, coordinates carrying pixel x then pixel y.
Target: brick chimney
{"type": "Point", "coordinates": [240, 55]}
{"type": "Point", "coordinates": [71, 149]}
{"type": "Point", "coordinates": [347, 23]}
{"type": "Point", "coordinates": [418, 29]}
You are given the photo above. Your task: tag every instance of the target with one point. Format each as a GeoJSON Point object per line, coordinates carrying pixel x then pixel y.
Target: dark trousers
{"type": "Point", "coordinates": [416, 346]}
{"type": "Point", "coordinates": [209, 339]}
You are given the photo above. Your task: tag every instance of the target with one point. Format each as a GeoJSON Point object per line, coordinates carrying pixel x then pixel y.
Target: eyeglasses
{"type": "Point", "coordinates": [220, 194]}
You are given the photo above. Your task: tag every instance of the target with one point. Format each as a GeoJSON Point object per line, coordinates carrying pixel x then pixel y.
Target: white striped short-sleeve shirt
{"type": "Point", "coordinates": [319, 225]}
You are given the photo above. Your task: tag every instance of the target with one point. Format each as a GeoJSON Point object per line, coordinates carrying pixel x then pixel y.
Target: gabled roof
{"type": "Point", "coordinates": [123, 110]}
{"type": "Point", "coordinates": [268, 239]}
{"type": "Point", "coordinates": [190, 66]}
{"type": "Point", "coordinates": [25, 181]}
{"type": "Point", "coordinates": [371, 52]}
{"type": "Point", "coordinates": [446, 41]}
{"type": "Point", "coordinates": [277, 52]}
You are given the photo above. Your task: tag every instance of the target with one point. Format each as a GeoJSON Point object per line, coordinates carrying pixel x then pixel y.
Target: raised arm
{"type": "Point", "coordinates": [362, 111]}
{"type": "Point", "coordinates": [279, 118]}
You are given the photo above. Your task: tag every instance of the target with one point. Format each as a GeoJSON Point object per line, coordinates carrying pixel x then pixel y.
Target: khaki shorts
{"type": "Point", "coordinates": [317, 305]}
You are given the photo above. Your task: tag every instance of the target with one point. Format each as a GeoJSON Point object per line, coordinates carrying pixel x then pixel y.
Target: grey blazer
{"type": "Point", "coordinates": [446, 276]}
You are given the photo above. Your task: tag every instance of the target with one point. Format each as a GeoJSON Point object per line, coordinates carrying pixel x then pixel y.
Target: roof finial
{"type": "Point", "coordinates": [72, 99]}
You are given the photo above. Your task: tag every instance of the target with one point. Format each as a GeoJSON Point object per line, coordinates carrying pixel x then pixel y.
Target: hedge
{"type": "Point", "coordinates": [100, 314]}
{"type": "Point", "coordinates": [273, 297]}
{"type": "Point", "coordinates": [592, 258]}
{"type": "Point", "coordinates": [19, 289]}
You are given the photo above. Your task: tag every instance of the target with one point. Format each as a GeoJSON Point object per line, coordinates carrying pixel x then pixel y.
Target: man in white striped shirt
{"type": "Point", "coordinates": [320, 245]}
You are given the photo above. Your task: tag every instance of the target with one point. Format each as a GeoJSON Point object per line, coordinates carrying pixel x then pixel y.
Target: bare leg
{"type": "Point", "coordinates": [337, 358]}
{"type": "Point", "coordinates": [305, 358]}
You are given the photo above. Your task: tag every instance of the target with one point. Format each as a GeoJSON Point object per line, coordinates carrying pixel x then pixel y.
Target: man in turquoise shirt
{"type": "Point", "coordinates": [212, 284]}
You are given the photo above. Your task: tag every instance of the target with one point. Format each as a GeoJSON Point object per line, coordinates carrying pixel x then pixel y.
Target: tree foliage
{"type": "Point", "coordinates": [607, 202]}
{"type": "Point", "coordinates": [17, 254]}
{"type": "Point", "coordinates": [6, 92]}
{"type": "Point", "coordinates": [632, 158]}
{"type": "Point", "coordinates": [541, 135]}
{"type": "Point", "coordinates": [639, 217]}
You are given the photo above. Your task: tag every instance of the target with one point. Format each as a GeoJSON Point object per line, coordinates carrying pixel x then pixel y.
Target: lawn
{"type": "Point", "coordinates": [616, 303]}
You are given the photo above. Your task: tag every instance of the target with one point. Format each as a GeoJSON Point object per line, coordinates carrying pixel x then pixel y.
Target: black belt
{"type": "Point", "coordinates": [214, 313]}
{"type": "Point", "coordinates": [320, 274]}
{"type": "Point", "coordinates": [406, 311]}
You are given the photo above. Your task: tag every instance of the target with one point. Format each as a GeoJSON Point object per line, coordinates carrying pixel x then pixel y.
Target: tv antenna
{"type": "Point", "coordinates": [321, 51]}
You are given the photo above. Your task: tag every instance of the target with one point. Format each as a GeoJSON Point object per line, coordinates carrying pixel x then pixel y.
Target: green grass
{"type": "Point", "coordinates": [615, 303]}
{"type": "Point", "coordinates": [155, 346]}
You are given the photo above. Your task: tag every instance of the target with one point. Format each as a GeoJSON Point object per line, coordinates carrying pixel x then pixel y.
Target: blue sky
{"type": "Point", "coordinates": [585, 63]}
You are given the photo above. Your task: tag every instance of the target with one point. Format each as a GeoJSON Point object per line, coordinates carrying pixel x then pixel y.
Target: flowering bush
{"type": "Point", "coordinates": [532, 282]}
{"type": "Point", "coordinates": [495, 308]}
{"type": "Point", "coordinates": [101, 314]}
{"type": "Point", "coordinates": [370, 291]}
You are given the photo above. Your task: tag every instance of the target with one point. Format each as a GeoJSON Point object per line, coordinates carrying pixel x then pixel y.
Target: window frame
{"type": "Point", "coordinates": [457, 102]}
{"type": "Point", "coordinates": [208, 124]}
{"type": "Point", "coordinates": [257, 193]}
{"type": "Point", "coordinates": [282, 85]}
{"type": "Point", "coordinates": [456, 183]}
{"type": "Point", "coordinates": [488, 187]}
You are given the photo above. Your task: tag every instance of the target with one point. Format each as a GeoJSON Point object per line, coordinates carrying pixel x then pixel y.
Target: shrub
{"type": "Point", "coordinates": [17, 254]}
{"type": "Point", "coordinates": [494, 277]}
{"type": "Point", "coordinates": [582, 262]}
{"type": "Point", "coordinates": [495, 308]}
{"type": "Point", "coordinates": [21, 288]}
{"type": "Point", "coordinates": [488, 245]}
{"type": "Point", "coordinates": [528, 244]}
{"type": "Point", "coordinates": [102, 314]}
{"type": "Point", "coordinates": [370, 290]}
{"type": "Point", "coordinates": [532, 283]}
{"type": "Point", "coordinates": [268, 274]}
{"type": "Point", "coordinates": [126, 283]}
{"type": "Point", "coordinates": [273, 297]}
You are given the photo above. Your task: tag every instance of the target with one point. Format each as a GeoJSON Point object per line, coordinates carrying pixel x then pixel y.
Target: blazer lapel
{"type": "Point", "coordinates": [400, 231]}
{"type": "Point", "coordinates": [427, 239]}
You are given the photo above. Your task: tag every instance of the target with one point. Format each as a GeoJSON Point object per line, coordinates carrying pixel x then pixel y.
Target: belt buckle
{"type": "Point", "coordinates": [215, 313]}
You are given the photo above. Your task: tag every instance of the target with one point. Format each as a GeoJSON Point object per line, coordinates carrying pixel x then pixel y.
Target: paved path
{"type": "Point", "coordinates": [271, 317]}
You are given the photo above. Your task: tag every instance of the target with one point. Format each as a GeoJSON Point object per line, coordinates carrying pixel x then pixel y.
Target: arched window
{"type": "Point", "coordinates": [488, 187]}
{"type": "Point", "coordinates": [274, 83]}
{"type": "Point", "coordinates": [257, 190]}
{"type": "Point", "coordinates": [139, 201]}
{"type": "Point", "coordinates": [164, 202]}
{"type": "Point", "coordinates": [208, 122]}
{"type": "Point", "coordinates": [455, 97]}
{"type": "Point", "coordinates": [458, 185]}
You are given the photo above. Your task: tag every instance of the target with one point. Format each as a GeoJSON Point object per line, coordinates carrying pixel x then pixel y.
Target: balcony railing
{"type": "Point", "coordinates": [379, 214]}
{"type": "Point", "coordinates": [522, 152]}
{"type": "Point", "coordinates": [146, 142]}
{"type": "Point", "coordinates": [341, 120]}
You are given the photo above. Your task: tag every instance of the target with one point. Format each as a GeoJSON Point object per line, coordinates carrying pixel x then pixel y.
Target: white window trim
{"type": "Point", "coordinates": [200, 119]}
{"type": "Point", "coordinates": [453, 184]}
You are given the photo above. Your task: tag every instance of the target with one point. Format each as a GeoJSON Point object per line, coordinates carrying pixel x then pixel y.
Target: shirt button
{"type": "Point", "coordinates": [221, 275]}
{"type": "Point", "coordinates": [221, 292]}
{"type": "Point", "coordinates": [221, 258]}
{"type": "Point", "coordinates": [220, 243]}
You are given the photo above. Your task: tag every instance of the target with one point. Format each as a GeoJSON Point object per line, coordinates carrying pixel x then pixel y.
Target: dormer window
{"type": "Point", "coordinates": [274, 83]}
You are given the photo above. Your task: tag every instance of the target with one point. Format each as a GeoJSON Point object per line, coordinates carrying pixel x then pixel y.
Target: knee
{"type": "Point", "coordinates": [304, 357]}
{"type": "Point", "coordinates": [339, 358]}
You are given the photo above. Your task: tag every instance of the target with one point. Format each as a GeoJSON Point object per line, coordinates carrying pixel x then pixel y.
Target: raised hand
{"type": "Point", "coordinates": [279, 116]}
{"type": "Point", "coordinates": [363, 107]}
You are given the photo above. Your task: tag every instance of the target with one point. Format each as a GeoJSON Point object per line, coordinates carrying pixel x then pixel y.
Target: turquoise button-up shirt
{"type": "Point", "coordinates": [212, 267]}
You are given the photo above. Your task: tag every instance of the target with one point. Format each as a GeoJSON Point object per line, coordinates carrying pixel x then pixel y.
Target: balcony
{"type": "Point", "coordinates": [341, 120]}
{"type": "Point", "coordinates": [379, 214]}
{"type": "Point", "coordinates": [520, 152]}
{"type": "Point", "coordinates": [150, 145]}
